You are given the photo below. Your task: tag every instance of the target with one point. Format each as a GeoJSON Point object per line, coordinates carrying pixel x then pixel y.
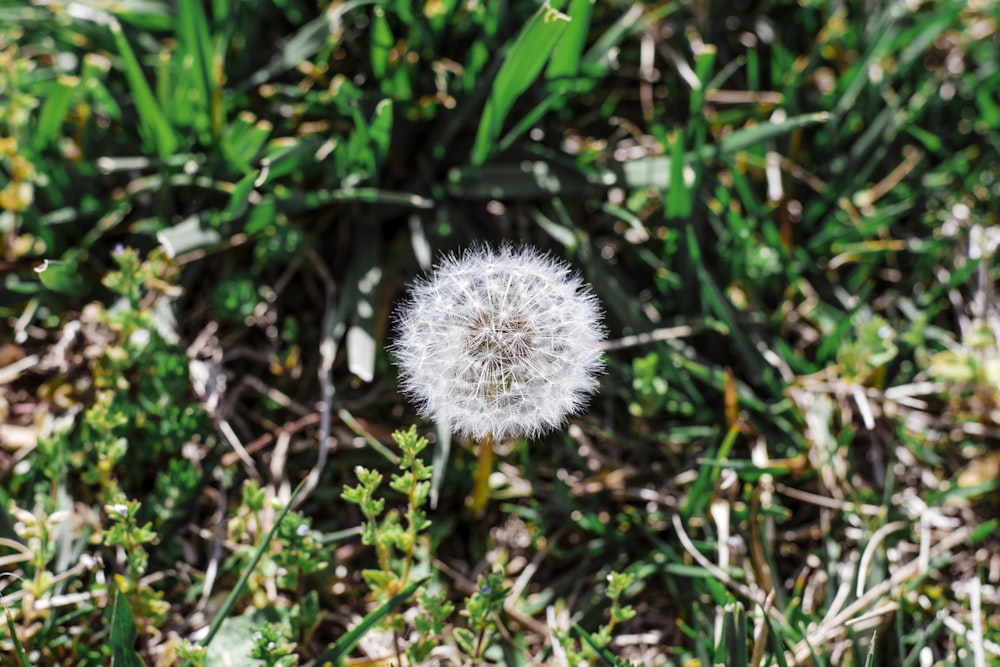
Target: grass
{"type": "Point", "coordinates": [208, 210]}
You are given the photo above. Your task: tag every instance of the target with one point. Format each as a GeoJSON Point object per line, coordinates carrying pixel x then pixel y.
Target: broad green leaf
{"type": "Point", "coordinates": [523, 63]}
{"type": "Point", "coordinates": [61, 276]}
{"type": "Point", "coordinates": [122, 638]}
{"type": "Point", "coordinates": [565, 62]}
{"type": "Point", "coordinates": [234, 641]}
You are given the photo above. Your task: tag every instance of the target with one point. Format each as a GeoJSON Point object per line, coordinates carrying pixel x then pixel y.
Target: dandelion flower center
{"type": "Point", "coordinates": [503, 342]}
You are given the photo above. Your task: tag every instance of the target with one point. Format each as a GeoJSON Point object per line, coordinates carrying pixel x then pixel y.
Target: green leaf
{"type": "Point", "coordinates": [122, 639]}
{"type": "Point", "coordinates": [983, 530]}
{"type": "Point", "coordinates": [57, 102]}
{"type": "Point", "coordinates": [382, 42]}
{"type": "Point", "coordinates": [679, 198]}
{"type": "Point", "coordinates": [240, 200]}
{"type": "Point", "coordinates": [522, 65]}
{"type": "Point", "coordinates": [346, 643]}
{"type": "Point", "coordinates": [234, 641]}
{"type": "Point", "coordinates": [61, 276]}
{"type": "Point", "coordinates": [152, 122]}
{"type": "Point", "coordinates": [565, 62]}
{"type": "Point", "coordinates": [152, 15]}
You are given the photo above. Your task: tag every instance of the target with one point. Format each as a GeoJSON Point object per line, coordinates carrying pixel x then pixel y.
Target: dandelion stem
{"type": "Point", "coordinates": [476, 503]}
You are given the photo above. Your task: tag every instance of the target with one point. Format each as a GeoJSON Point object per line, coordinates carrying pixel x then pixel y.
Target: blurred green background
{"type": "Point", "coordinates": [787, 209]}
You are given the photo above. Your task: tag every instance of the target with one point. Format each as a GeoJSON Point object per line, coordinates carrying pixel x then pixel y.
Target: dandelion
{"type": "Point", "coordinates": [499, 344]}
{"type": "Point", "coordinates": [503, 343]}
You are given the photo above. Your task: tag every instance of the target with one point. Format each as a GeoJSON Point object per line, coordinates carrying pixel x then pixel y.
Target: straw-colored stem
{"type": "Point", "coordinates": [476, 503]}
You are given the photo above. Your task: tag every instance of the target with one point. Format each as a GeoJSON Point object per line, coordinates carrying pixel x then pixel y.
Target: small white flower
{"type": "Point", "coordinates": [500, 342]}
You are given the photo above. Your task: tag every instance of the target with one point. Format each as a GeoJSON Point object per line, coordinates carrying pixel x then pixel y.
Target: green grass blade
{"type": "Point", "coordinates": [301, 46]}
{"type": "Point", "coordinates": [598, 59]}
{"type": "Point", "coordinates": [382, 42]}
{"type": "Point", "coordinates": [522, 65]}
{"type": "Point", "coordinates": [779, 647]}
{"type": "Point", "coordinates": [655, 172]}
{"type": "Point", "coordinates": [234, 595]}
{"type": "Point", "coordinates": [733, 649]}
{"type": "Point", "coordinates": [678, 195]}
{"type": "Point", "coordinates": [870, 659]}
{"type": "Point", "coordinates": [704, 63]}
{"type": "Point", "coordinates": [194, 37]}
{"type": "Point", "coordinates": [122, 638]}
{"type": "Point", "coordinates": [54, 111]}
{"type": "Point", "coordinates": [604, 655]}
{"type": "Point", "coordinates": [22, 656]}
{"type": "Point", "coordinates": [756, 134]}
{"type": "Point", "coordinates": [346, 643]}
{"type": "Point", "coordinates": [152, 122]}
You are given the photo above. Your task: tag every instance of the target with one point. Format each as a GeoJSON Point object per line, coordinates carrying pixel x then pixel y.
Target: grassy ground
{"type": "Point", "coordinates": [787, 210]}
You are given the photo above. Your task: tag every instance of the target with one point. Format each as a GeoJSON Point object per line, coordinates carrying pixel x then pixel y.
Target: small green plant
{"type": "Point", "coordinates": [294, 552]}
{"type": "Point", "coordinates": [430, 624]}
{"type": "Point", "coordinates": [394, 535]}
{"type": "Point", "coordinates": [482, 608]}
{"type": "Point", "coordinates": [273, 647]}
{"type": "Point", "coordinates": [587, 652]}
{"type": "Point", "coordinates": [131, 538]}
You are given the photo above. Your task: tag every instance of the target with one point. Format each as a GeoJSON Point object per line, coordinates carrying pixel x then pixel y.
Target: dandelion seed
{"type": "Point", "coordinates": [500, 343]}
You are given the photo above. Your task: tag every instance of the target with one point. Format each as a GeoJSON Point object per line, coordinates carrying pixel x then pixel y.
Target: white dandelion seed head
{"type": "Point", "coordinates": [503, 342]}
